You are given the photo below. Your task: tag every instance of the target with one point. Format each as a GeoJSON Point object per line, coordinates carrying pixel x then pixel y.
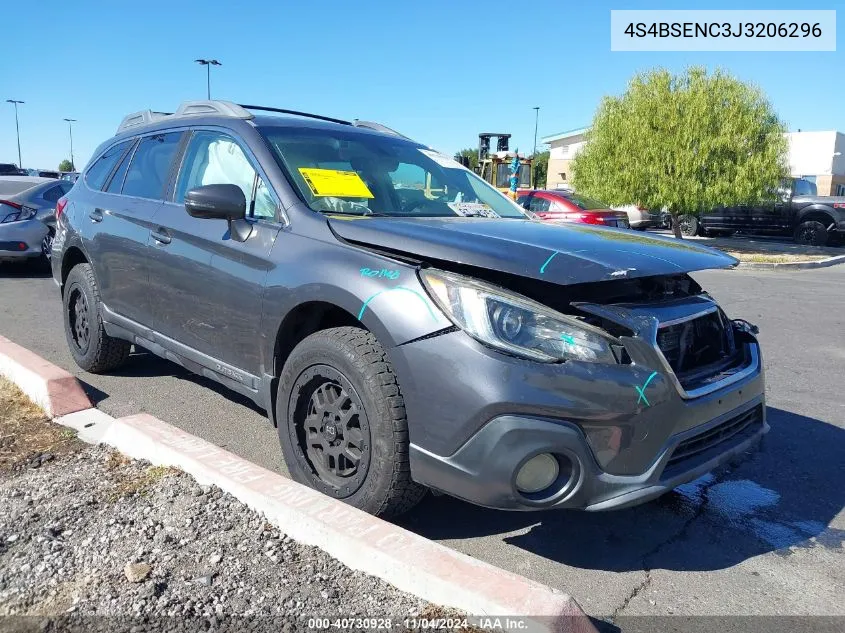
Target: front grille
{"type": "Point", "coordinates": [737, 429]}
{"type": "Point", "coordinates": [698, 348]}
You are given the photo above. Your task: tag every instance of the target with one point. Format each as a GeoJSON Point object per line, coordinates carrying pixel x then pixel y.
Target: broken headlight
{"type": "Point", "coordinates": [515, 324]}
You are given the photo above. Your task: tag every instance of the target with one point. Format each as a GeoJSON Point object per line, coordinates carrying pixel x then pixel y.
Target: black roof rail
{"type": "Point", "coordinates": [295, 113]}
{"type": "Point", "coordinates": [378, 127]}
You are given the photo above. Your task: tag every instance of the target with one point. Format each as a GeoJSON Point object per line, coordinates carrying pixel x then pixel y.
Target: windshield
{"type": "Point", "coordinates": [366, 174]}
{"type": "Point", "coordinates": [503, 175]}
{"type": "Point", "coordinates": [585, 203]}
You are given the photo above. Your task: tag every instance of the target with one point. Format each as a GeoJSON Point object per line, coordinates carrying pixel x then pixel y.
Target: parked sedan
{"type": "Point", "coordinates": [568, 206]}
{"type": "Point", "coordinates": [28, 216]}
{"type": "Point", "coordinates": [640, 218]}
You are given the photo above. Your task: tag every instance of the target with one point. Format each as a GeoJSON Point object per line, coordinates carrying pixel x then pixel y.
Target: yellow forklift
{"type": "Point", "coordinates": [494, 167]}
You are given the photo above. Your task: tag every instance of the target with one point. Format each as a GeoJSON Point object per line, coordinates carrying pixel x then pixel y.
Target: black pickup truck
{"type": "Point", "coordinates": [798, 211]}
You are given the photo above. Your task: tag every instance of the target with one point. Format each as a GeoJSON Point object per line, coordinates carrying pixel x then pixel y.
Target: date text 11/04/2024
{"type": "Point", "coordinates": [490, 623]}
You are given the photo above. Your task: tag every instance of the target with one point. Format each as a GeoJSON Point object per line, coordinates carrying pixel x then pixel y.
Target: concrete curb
{"type": "Point", "coordinates": [50, 387]}
{"type": "Point", "coordinates": [363, 542]}
{"type": "Point", "coordinates": [821, 263]}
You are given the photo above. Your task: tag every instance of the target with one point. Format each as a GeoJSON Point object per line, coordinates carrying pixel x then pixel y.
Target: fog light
{"type": "Point", "coordinates": [537, 474]}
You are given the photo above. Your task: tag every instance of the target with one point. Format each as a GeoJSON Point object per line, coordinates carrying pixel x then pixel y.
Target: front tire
{"type": "Point", "coordinates": [342, 425]}
{"type": "Point", "coordinates": [811, 233]}
{"type": "Point", "coordinates": [91, 348]}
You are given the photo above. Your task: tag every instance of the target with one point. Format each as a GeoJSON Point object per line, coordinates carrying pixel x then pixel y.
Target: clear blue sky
{"type": "Point", "coordinates": [439, 71]}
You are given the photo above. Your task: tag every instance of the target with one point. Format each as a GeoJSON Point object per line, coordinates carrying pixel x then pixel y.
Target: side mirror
{"type": "Point", "coordinates": [216, 202]}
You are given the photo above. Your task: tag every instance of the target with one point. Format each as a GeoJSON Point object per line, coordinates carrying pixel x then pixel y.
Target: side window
{"type": "Point", "coordinates": [150, 167]}
{"type": "Point", "coordinates": [102, 167]}
{"type": "Point", "coordinates": [53, 194]}
{"type": "Point", "coordinates": [213, 158]}
{"type": "Point", "coordinates": [804, 187]}
{"type": "Point", "coordinates": [408, 176]}
{"type": "Point", "coordinates": [521, 201]}
{"type": "Point", "coordinates": [120, 173]}
{"type": "Point", "coordinates": [539, 205]}
{"type": "Point", "coordinates": [265, 202]}
{"type": "Point", "coordinates": [408, 182]}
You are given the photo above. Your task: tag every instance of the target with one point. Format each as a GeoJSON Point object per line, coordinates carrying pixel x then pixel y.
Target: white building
{"type": "Point", "coordinates": [815, 156]}
{"type": "Point", "coordinates": [820, 158]}
{"type": "Point", "coordinates": [562, 149]}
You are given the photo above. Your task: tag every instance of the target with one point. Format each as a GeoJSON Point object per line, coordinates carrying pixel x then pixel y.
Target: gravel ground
{"type": "Point", "coordinates": [87, 532]}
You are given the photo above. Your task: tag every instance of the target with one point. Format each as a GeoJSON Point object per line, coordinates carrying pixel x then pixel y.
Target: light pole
{"type": "Point", "coordinates": [208, 63]}
{"type": "Point", "coordinates": [70, 129]}
{"type": "Point", "coordinates": [534, 155]}
{"type": "Point", "coordinates": [15, 102]}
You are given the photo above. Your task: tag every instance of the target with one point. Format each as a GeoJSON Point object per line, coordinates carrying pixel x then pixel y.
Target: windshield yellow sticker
{"type": "Point", "coordinates": [332, 182]}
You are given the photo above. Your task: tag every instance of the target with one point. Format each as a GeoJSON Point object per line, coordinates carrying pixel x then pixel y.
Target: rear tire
{"type": "Point", "coordinates": [689, 225]}
{"type": "Point", "coordinates": [812, 233]}
{"type": "Point", "coordinates": [342, 425]}
{"type": "Point", "coordinates": [91, 348]}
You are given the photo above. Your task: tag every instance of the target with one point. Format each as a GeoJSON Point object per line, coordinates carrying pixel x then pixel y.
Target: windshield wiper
{"type": "Point", "coordinates": [360, 214]}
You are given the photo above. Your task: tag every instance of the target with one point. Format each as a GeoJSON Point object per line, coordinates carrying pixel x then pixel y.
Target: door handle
{"type": "Point", "coordinates": [96, 215]}
{"type": "Point", "coordinates": [161, 236]}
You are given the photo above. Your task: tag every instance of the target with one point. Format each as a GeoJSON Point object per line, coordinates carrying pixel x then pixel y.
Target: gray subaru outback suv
{"type": "Point", "coordinates": [403, 323]}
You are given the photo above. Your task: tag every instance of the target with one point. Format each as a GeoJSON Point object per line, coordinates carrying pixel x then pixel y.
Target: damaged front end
{"type": "Point", "coordinates": [652, 386]}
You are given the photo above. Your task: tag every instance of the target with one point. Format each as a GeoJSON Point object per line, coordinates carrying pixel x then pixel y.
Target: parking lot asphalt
{"type": "Point", "coordinates": [762, 536]}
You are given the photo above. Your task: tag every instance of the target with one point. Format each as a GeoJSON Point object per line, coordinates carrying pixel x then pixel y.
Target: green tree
{"type": "Point", "coordinates": [65, 165]}
{"type": "Point", "coordinates": [539, 167]}
{"type": "Point", "coordinates": [686, 142]}
{"type": "Point", "coordinates": [472, 154]}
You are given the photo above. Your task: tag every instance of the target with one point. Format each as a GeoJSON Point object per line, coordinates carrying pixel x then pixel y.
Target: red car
{"type": "Point", "coordinates": [568, 206]}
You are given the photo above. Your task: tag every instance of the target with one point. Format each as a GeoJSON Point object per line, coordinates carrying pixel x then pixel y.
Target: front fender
{"type": "Point", "coordinates": [383, 294]}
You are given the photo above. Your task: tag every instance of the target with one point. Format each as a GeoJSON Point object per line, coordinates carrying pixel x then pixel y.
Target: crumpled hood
{"type": "Point", "coordinates": [559, 253]}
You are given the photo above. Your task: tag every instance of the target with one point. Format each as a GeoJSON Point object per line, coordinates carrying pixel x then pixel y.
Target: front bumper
{"type": "Point", "coordinates": [483, 471]}
{"type": "Point", "coordinates": [641, 219]}
{"type": "Point", "coordinates": [476, 416]}
{"type": "Point", "coordinates": [30, 233]}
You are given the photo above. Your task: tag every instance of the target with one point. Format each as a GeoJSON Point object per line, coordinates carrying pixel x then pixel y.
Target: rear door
{"type": "Point", "coordinates": [206, 286]}
{"type": "Point", "coordinates": [128, 204]}
{"type": "Point", "coordinates": [114, 231]}
{"type": "Point", "coordinates": [734, 218]}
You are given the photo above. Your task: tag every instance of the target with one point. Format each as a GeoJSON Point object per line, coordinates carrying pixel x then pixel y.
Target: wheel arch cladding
{"type": "Point", "coordinates": [302, 321]}
{"type": "Point", "coordinates": [817, 214]}
{"type": "Point", "coordinates": [73, 256]}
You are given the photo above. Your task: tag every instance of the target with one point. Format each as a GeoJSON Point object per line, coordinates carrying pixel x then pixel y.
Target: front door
{"type": "Point", "coordinates": [206, 285]}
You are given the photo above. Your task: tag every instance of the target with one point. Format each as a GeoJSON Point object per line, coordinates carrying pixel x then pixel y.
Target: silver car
{"type": "Point", "coordinates": [28, 216]}
{"type": "Point", "coordinates": [639, 218]}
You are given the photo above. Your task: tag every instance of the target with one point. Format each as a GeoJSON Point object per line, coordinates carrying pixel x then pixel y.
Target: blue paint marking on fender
{"type": "Point", "coordinates": [390, 274]}
{"type": "Point", "coordinates": [641, 390]}
{"type": "Point", "coordinates": [567, 338]}
{"type": "Point", "coordinates": [417, 294]}
{"type": "Point", "coordinates": [551, 257]}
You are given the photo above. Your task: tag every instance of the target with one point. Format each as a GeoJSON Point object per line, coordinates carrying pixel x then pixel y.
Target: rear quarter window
{"type": "Point", "coordinates": [53, 194]}
{"type": "Point", "coordinates": [99, 171]}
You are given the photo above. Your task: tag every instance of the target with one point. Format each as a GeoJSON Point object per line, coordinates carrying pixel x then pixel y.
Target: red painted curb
{"type": "Point", "coordinates": [50, 387]}
{"type": "Point", "coordinates": [408, 561]}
